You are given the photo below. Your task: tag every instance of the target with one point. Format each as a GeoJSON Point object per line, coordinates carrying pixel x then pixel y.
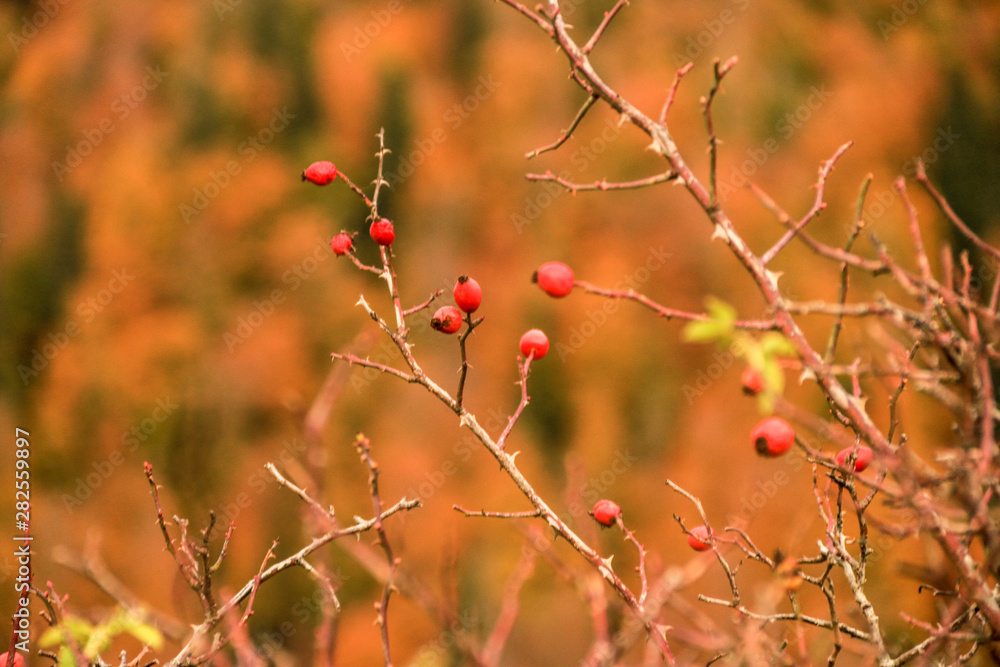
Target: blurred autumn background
{"type": "Point", "coordinates": [168, 293]}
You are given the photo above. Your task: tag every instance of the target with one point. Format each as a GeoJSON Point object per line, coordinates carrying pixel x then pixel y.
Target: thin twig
{"type": "Point", "coordinates": [493, 648]}
{"type": "Point", "coordinates": [817, 207]}
{"type": "Point", "coordinates": [363, 447]}
{"type": "Point", "coordinates": [603, 185]}
{"type": "Point", "coordinates": [528, 514]}
{"type": "Point", "coordinates": [719, 70]}
{"type": "Point", "coordinates": [522, 367]}
{"type": "Point", "coordinates": [568, 133]}
{"type": "Point", "coordinates": [673, 91]}
{"type": "Point", "coordinates": [608, 17]}
{"type": "Point", "coordinates": [666, 312]}
{"type": "Point", "coordinates": [470, 327]}
{"type": "Point", "coordinates": [950, 213]}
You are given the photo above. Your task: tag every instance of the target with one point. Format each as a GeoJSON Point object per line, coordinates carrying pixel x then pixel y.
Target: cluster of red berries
{"type": "Point", "coordinates": [468, 296]}
{"type": "Point", "coordinates": [607, 513]}
{"type": "Point", "coordinates": [381, 230]}
{"type": "Point", "coordinates": [770, 438]}
{"type": "Point", "coordinates": [555, 278]}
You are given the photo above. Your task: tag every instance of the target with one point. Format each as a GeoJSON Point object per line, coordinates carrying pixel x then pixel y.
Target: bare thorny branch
{"type": "Point", "coordinates": [947, 336]}
{"type": "Point", "coordinates": [949, 321]}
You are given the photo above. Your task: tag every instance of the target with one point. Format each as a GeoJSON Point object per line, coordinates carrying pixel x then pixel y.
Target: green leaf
{"type": "Point", "coordinates": [78, 628]}
{"type": "Point", "coordinates": [66, 658]}
{"type": "Point", "coordinates": [775, 344]}
{"type": "Point", "coordinates": [705, 331]}
{"type": "Point", "coordinates": [719, 326]}
{"type": "Point", "coordinates": [765, 402]}
{"type": "Point", "coordinates": [774, 376]}
{"type": "Point", "coordinates": [754, 353]}
{"type": "Point", "coordinates": [720, 310]}
{"type": "Point", "coordinates": [145, 633]}
{"type": "Point", "coordinates": [50, 637]}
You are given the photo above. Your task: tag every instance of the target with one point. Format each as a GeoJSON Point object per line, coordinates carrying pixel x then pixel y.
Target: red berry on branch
{"type": "Point", "coordinates": [605, 512]}
{"type": "Point", "coordinates": [534, 341]}
{"type": "Point", "coordinates": [382, 232]}
{"type": "Point", "coordinates": [320, 173]}
{"type": "Point", "coordinates": [7, 661]}
{"type": "Point", "coordinates": [555, 278]}
{"type": "Point", "coordinates": [772, 437]}
{"type": "Point", "coordinates": [468, 294]}
{"type": "Point", "coordinates": [699, 538]}
{"type": "Point", "coordinates": [447, 319]}
{"type": "Point", "coordinates": [861, 461]}
{"type": "Point", "coordinates": [752, 381]}
{"type": "Point", "coordinates": [341, 244]}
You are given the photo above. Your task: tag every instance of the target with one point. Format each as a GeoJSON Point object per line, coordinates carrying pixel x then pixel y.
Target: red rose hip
{"type": "Point", "coordinates": [555, 279]}
{"type": "Point", "coordinates": [861, 461]}
{"type": "Point", "coordinates": [468, 294]}
{"type": "Point", "coordinates": [534, 342]}
{"type": "Point", "coordinates": [605, 512]}
{"type": "Point", "coordinates": [341, 244]}
{"type": "Point", "coordinates": [447, 319]}
{"type": "Point", "coordinates": [772, 437]}
{"type": "Point", "coordinates": [699, 538]}
{"type": "Point", "coordinates": [320, 173]}
{"type": "Point", "coordinates": [382, 232]}
{"type": "Point", "coordinates": [752, 381]}
{"type": "Point", "coordinates": [7, 661]}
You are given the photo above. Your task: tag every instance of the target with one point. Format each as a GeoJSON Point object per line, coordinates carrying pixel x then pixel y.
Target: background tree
{"type": "Point", "coordinates": [118, 132]}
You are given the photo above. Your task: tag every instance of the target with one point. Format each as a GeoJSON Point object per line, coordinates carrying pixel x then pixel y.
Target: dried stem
{"type": "Point", "coordinates": [363, 447]}
{"type": "Point", "coordinates": [568, 133]}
